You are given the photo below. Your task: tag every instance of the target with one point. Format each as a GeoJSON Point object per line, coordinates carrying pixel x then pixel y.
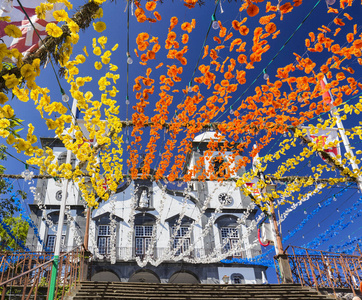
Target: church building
{"type": "Point", "coordinates": [156, 231]}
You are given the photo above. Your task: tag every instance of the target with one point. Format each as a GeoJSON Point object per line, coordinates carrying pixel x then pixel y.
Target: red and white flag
{"type": "Point", "coordinates": [327, 95]}
{"type": "Point", "coordinates": [253, 186]}
{"type": "Point", "coordinates": [29, 41]}
{"type": "Point", "coordinates": [326, 137]}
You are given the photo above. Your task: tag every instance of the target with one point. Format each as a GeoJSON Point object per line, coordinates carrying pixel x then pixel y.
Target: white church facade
{"type": "Point", "coordinates": [155, 231]}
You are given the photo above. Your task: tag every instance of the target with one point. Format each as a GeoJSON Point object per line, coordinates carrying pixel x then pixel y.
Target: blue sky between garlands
{"type": "Point", "coordinates": [116, 20]}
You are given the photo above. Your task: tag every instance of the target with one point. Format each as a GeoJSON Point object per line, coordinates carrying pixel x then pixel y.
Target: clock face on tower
{"type": "Point", "coordinates": [225, 199]}
{"type": "Point", "coordinates": [58, 195]}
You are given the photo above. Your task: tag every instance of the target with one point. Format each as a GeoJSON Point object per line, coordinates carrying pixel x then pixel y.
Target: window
{"type": "Point", "coordinates": [63, 157]}
{"type": "Point", "coordinates": [143, 235]}
{"type": "Point", "coordinates": [104, 239]}
{"type": "Point", "coordinates": [181, 243]}
{"type": "Point", "coordinates": [237, 278]}
{"type": "Point", "coordinates": [219, 165]}
{"type": "Point", "coordinates": [230, 239]}
{"type": "Point", "coordinates": [51, 239]}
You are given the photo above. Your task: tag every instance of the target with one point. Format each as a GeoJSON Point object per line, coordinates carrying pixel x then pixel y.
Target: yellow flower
{"type": "Point", "coordinates": [10, 140]}
{"type": "Point", "coordinates": [13, 31]}
{"type": "Point", "coordinates": [27, 71]}
{"type": "Point", "coordinates": [3, 50]}
{"type": "Point", "coordinates": [113, 67]}
{"type": "Point", "coordinates": [97, 51]}
{"type": "Point", "coordinates": [4, 123]}
{"type": "Point", "coordinates": [5, 19]}
{"type": "Point", "coordinates": [98, 65]}
{"type": "Point", "coordinates": [4, 133]}
{"type": "Point", "coordinates": [3, 98]}
{"type": "Point", "coordinates": [7, 111]}
{"type": "Point", "coordinates": [102, 41]}
{"type": "Point", "coordinates": [99, 26]}
{"type": "Point", "coordinates": [80, 58]}
{"type": "Point", "coordinates": [11, 81]}
{"type": "Point", "coordinates": [115, 47]}
{"type": "Point", "coordinates": [60, 15]}
{"type": "Point", "coordinates": [98, 14]}
{"type": "Point", "coordinates": [53, 30]}
{"type": "Point", "coordinates": [74, 38]}
{"type": "Point", "coordinates": [73, 27]}
{"type": "Point", "coordinates": [85, 51]}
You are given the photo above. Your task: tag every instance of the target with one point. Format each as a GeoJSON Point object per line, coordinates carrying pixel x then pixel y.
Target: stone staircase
{"type": "Point", "coordinates": [137, 291]}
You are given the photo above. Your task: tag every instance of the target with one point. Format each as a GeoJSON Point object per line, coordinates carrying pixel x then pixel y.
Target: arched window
{"type": "Point", "coordinates": [104, 232]}
{"type": "Point", "coordinates": [230, 235]}
{"type": "Point", "coordinates": [237, 278]}
{"type": "Point", "coordinates": [220, 166]}
{"type": "Point", "coordinates": [144, 226]}
{"type": "Point", "coordinates": [181, 233]}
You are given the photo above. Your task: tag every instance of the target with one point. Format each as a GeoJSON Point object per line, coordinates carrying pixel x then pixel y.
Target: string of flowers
{"type": "Point", "coordinates": [337, 225]}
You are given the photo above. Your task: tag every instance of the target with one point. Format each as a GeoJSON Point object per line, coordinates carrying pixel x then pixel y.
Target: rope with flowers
{"type": "Point", "coordinates": [176, 123]}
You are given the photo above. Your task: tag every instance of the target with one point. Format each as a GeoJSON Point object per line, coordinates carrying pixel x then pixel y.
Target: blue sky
{"type": "Point", "coordinates": [291, 39]}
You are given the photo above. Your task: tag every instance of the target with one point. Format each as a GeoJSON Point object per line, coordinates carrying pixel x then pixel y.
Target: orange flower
{"type": "Point", "coordinates": [357, 44]}
{"type": "Point", "coordinates": [348, 16]}
{"type": "Point", "coordinates": [252, 10]}
{"type": "Point", "coordinates": [235, 42]}
{"type": "Point", "coordinates": [150, 5]}
{"type": "Point", "coordinates": [173, 23]}
{"type": "Point", "coordinates": [333, 10]}
{"type": "Point", "coordinates": [244, 30]}
{"type": "Point", "coordinates": [141, 19]}
{"type": "Point", "coordinates": [312, 36]}
{"type": "Point", "coordinates": [266, 19]}
{"type": "Point", "coordinates": [350, 37]}
{"type": "Point", "coordinates": [235, 24]}
{"type": "Point", "coordinates": [242, 58]}
{"type": "Point", "coordinates": [340, 76]}
{"type": "Point", "coordinates": [286, 8]}
{"type": "Point", "coordinates": [156, 48]}
{"type": "Point", "coordinates": [157, 16]}
{"type": "Point", "coordinates": [318, 47]}
{"type": "Point", "coordinates": [307, 43]}
{"type": "Point", "coordinates": [324, 69]}
{"type": "Point", "coordinates": [216, 39]}
{"type": "Point", "coordinates": [336, 32]}
{"type": "Point", "coordinates": [159, 65]}
{"type": "Point", "coordinates": [185, 38]}
{"type": "Point", "coordinates": [297, 2]}
{"type": "Point", "coordinates": [186, 26]}
{"type": "Point", "coordinates": [213, 54]}
{"type": "Point", "coordinates": [276, 34]}
{"type": "Point", "coordinates": [270, 27]}
{"type": "Point", "coordinates": [151, 54]}
{"type": "Point", "coordinates": [206, 51]}
{"type": "Point", "coordinates": [229, 36]}
{"type": "Point", "coordinates": [335, 48]}
{"type": "Point", "coordinates": [339, 22]}
{"type": "Point", "coordinates": [224, 82]}
{"type": "Point", "coordinates": [138, 12]}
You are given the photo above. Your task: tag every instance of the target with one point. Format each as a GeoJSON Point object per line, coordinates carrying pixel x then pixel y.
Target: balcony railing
{"type": "Point", "coordinates": [130, 253]}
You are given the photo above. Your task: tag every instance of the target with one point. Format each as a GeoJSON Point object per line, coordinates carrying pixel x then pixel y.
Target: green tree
{"type": "Point", "coordinates": [7, 205]}
{"type": "Point", "coordinates": [19, 229]}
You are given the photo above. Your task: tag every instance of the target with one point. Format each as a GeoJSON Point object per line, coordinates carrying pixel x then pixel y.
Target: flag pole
{"type": "Point", "coordinates": [347, 145]}
{"type": "Point", "coordinates": [341, 131]}
{"type": "Point", "coordinates": [54, 273]}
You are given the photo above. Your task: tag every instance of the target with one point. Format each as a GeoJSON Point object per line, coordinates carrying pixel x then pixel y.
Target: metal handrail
{"type": "Point", "coordinates": [68, 261]}
{"type": "Point", "coordinates": [324, 269]}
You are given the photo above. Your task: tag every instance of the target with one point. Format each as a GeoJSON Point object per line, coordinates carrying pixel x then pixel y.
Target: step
{"type": "Point", "coordinates": [192, 298]}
